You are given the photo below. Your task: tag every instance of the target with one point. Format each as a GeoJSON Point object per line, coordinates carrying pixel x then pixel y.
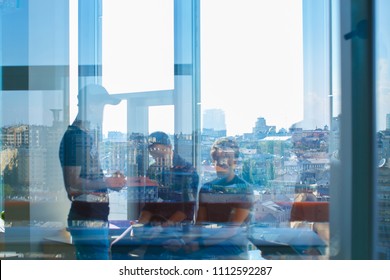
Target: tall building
{"type": "Point", "coordinates": [383, 201]}
{"type": "Point", "coordinates": [214, 119]}
{"type": "Point", "coordinates": [137, 155]}
{"type": "Point", "coordinates": [35, 153]}
{"type": "Point", "coordinates": [316, 59]}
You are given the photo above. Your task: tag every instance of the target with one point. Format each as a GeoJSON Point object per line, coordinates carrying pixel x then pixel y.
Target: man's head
{"type": "Point", "coordinates": [159, 144]}
{"type": "Point", "coordinates": [225, 152]}
{"type": "Point", "coordinates": [91, 101]}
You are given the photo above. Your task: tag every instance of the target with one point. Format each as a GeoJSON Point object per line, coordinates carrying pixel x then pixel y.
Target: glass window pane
{"type": "Point", "coordinates": [215, 136]}
{"type": "Point", "coordinates": [383, 130]}
{"type": "Point", "coordinates": [273, 99]}
{"type": "Point", "coordinates": [161, 118]}
{"type": "Point", "coordinates": [34, 113]}
{"type": "Point", "coordinates": [137, 45]}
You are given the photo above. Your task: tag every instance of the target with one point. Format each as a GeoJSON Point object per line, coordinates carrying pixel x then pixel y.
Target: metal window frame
{"type": "Point", "coordinates": [353, 210]}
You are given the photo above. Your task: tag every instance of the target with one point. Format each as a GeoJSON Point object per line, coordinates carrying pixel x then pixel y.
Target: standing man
{"type": "Point", "coordinates": [85, 183]}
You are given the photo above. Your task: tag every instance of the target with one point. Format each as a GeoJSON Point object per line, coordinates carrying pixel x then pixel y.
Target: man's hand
{"type": "Point", "coordinates": [116, 182]}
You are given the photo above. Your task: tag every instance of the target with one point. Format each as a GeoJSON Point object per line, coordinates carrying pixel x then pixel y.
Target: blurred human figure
{"type": "Point", "coordinates": [225, 153]}
{"type": "Point", "coordinates": [225, 202]}
{"type": "Point", "coordinates": [178, 184]}
{"type": "Point", "coordinates": [86, 185]}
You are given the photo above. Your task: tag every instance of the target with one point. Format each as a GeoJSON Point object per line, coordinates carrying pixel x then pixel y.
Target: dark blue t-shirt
{"type": "Point", "coordinates": [77, 148]}
{"type": "Point", "coordinates": [177, 191]}
{"type": "Point", "coordinates": [220, 197]}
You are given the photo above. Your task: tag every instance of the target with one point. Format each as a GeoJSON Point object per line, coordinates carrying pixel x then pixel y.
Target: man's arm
{"type": "Point", "coordinates": [239, 215]}
{"type": "Point", "coordinates": [75, 184]}
{"type": "Point", "coordinates": [144, 217]}
{"type": "Point", "coordinates": [176, 217]}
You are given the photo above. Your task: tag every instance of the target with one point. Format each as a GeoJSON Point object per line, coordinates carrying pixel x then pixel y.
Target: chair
{"type": "Point", "coordinates": [313, 214]}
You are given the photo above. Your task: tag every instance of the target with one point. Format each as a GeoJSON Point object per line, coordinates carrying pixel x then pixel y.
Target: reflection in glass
{"type": "Point", "coordinates": [85, 183]}
{"type": "Point", "coordinates": [270, 96]}
{"type": "Point", "coordinates": [383, 130]}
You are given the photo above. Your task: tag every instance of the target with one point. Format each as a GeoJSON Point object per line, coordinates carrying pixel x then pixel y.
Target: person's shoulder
{"type": "Point", "coordinates": [216, 185]}
{"type": "Point", "coordinates": [215, 181]}
{"type": "Point", "coordinates": [239, 180]}
{"type": "Point", "coordinates": [207, 187]}
{"type": "Point", "coordinates": [180, 163]}
{"type": "Point", "coordinates": [178, 160]}
{"type": "Point", "coordinates": [73, 130]}
{"type": "Point", "coordinates": [243, 185]}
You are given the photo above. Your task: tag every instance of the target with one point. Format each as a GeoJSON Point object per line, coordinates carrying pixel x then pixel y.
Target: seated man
{"type": "Point", "coordinates": [178, 184]}
{"type": "Point", "coordinates": [226, 201]}
{"type": "Point", "coordinates": [230, 193]}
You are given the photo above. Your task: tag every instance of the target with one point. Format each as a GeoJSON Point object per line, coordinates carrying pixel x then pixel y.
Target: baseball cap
{"type": "Point", "coordinates": [96, 94]}
{"type": "Point", "coordinates": [159, 137]}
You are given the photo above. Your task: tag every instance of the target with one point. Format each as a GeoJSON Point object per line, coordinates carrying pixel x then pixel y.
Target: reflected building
{"type": "Point", "coordinates": [183, 145]}
{"type": "Point", "coordinates": [316, 63]}
{"type": "Point", "coordinates": [34, 163]}
{"type": "Point", "coordinates": [137, 155]}
{"type": "Point", "coordinates": [262, 130]}
{"type": "Point", "coordinates": [383, 201]}
{"type": "Point", "coordinates": [214, 124]}
{"type": "Point", "coordinates": [383, 191]}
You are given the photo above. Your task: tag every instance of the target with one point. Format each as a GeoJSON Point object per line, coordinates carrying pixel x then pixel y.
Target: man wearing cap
{"type": "Point", "coordinates": [85, 183]}
{"type": "Point", "coordinates": [178, 184]}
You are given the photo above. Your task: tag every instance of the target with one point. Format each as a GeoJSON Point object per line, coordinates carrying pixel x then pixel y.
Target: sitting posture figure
{"type": "Point", "coordinates": [178, 183]}
{"type": "Point", "coordinates": [226, 204]}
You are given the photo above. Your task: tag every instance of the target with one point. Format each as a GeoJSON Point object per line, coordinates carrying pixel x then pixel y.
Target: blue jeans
{"type": "Point", "coordinates": [91, 239]}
